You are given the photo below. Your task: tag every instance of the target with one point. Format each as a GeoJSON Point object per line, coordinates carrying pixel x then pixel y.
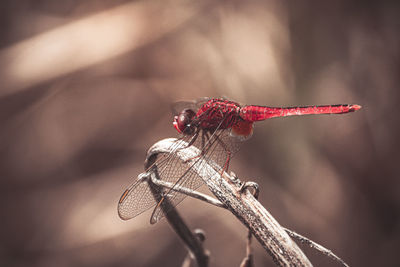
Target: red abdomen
{"type": "Point", "coordinates": [258, 113]}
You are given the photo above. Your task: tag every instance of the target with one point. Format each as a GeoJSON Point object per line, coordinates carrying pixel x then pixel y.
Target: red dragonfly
{"type": "Point", "coordinates": [215, 127]}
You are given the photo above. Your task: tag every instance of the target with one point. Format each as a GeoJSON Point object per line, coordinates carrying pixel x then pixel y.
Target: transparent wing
{"type": "Point", "coordinates": [187, 177]}
{"type": "Point", "coordinates": [218, 147]}
{"type": "Point", "coordinates": [136, 199]}
{"type": "Point", "coordinates": [183, 174]}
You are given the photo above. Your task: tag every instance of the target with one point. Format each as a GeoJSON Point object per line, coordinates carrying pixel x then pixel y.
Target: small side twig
{"type": "Point", "coordinates": [248, 261]}
{"type": "Point", "coordinates": [189, 257]}
{"type": "Point", "coordinates": [193, 244]}
{"type": "Point", "coordinates": [189, 192]}
{"type": "Point", "coordinates": [316, 246]}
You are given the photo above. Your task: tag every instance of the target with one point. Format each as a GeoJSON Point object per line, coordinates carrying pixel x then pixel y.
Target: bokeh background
{"type": "Point", "coordinates": [86, 89]}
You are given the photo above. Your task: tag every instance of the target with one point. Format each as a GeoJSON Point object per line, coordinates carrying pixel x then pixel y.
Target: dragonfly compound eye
{"type": "Point", "coordinates": [183, 122]}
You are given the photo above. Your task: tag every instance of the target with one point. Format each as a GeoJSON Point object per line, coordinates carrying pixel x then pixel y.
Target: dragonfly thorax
{"type": "Point", "coordinates": [183, 123]}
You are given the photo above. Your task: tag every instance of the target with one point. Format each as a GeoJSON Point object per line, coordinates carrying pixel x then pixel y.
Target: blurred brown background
{"type": "Point", "coordinates": [86, 88]}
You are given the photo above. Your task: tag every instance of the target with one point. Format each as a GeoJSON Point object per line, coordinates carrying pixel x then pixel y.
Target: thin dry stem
{"type": "Point", "coordinates": [243, 205]}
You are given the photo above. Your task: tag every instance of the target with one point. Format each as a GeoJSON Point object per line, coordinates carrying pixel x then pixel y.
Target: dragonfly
{"type": "Point", "coordinates": [216, 127]}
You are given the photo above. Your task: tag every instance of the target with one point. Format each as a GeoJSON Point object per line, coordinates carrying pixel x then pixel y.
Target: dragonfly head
{"type": "Point", "coordinates": [183, 123]}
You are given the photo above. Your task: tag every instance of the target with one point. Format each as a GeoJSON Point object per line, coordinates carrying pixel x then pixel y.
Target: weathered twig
{"type": "Point", "coordinates": [243, 205]}
{"type": "Point", "coordinates": [316, 246]}
{"type": "Point", "coordinates": [247, 261]}
{"type": "Point", "coordinates": [189, 258]}
{"type": "Point", "coordinates": [189, 192]}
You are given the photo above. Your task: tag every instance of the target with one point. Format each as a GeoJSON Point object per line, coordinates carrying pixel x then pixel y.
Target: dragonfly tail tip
{"type": "Point", "coordinates": [355, 107]}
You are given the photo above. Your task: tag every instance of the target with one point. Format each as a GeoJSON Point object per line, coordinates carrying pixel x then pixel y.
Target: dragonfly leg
{"type": "Point", "coordinates": [194, 138]}
{"type": "Point", "coordinates": [203, 145]}
{"type": "Point", "coordinates": [228, 155]}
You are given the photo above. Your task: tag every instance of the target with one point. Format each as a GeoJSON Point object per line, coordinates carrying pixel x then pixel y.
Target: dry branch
{"type": "Point", "coordinates": [193, 244]}
{"type": "Point", "coordinates": [243, 205]}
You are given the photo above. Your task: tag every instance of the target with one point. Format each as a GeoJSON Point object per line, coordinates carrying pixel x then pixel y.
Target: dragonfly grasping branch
{"type": "Point", "coordinates": [211, 130]}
